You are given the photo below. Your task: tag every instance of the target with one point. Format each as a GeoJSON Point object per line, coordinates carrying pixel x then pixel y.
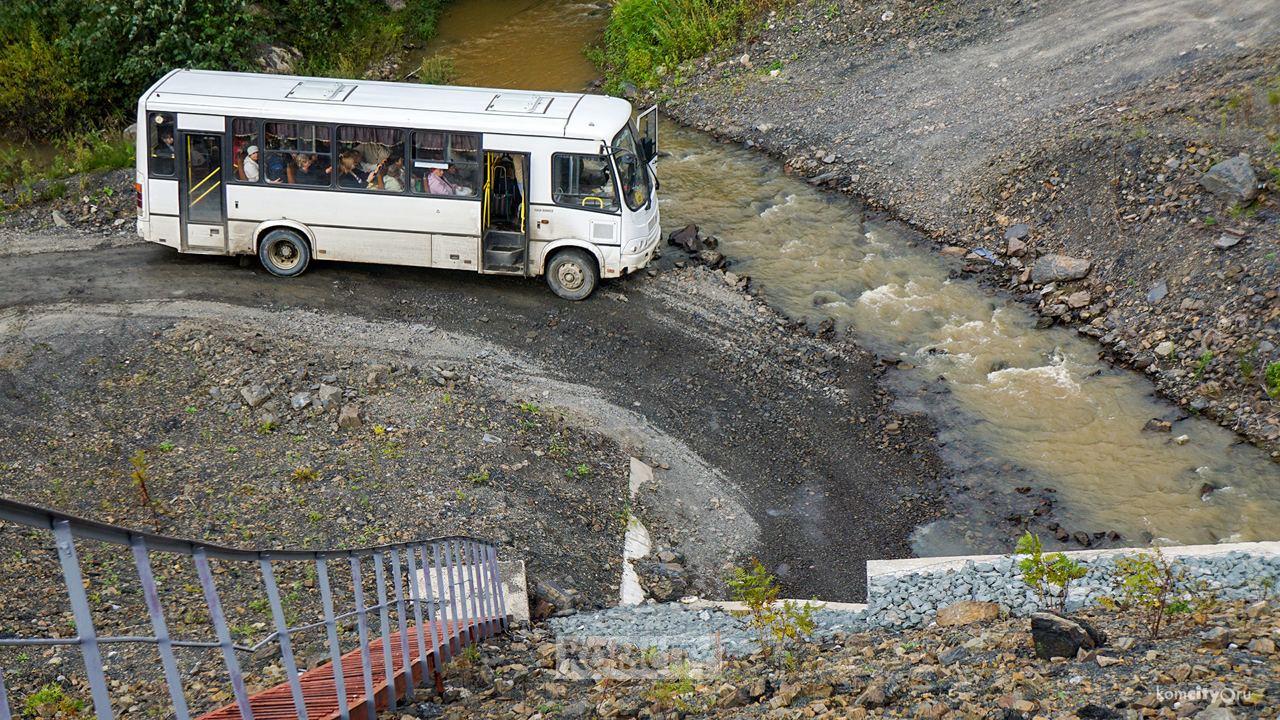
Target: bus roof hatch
{"type": "Point", "coordinates": [523, 104]}
{"type": "Point", "coordinates": [313, 90]}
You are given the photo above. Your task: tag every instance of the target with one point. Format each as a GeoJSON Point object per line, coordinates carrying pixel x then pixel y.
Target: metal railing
{"type": "Point", "coordinates": [449, 586]}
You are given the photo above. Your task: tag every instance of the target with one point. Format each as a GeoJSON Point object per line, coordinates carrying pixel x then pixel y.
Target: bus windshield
{"type": "Point", "coordinates": [633, 175]}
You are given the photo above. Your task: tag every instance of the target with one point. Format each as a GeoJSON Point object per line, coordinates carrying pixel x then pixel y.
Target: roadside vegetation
{"type": "Point", "coordinates": [645, 39]}
{"type": "Point", "coordinates": [71, 71]}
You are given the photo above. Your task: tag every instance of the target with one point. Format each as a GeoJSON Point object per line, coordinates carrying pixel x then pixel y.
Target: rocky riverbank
{"type": "Point", "coordinates": [1082, 189]}
{"type": "Point", "coordinates": [1223, 667]}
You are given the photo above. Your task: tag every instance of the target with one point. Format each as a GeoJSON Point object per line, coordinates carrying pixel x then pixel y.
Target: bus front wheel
{"type": "Point", "coordinates": [572, 274]}
{"type": "Point", "coordinates": [284, 253]}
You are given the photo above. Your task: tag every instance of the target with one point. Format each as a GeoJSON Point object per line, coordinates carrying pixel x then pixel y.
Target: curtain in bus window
{"type": "Point", "coordinates": [583, 181]}
{"type": "Point", "coordinates": [446, 163]}
{"type": "Point", "coordinates": [370, 158]}
{"type": "Point", "coordinates": [297, 153]}
{"type": "Point", "coordinates": [244, 137]}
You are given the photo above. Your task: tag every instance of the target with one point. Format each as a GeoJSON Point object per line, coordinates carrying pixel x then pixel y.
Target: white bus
{"type": "Point", "coordinates": [295, 169]}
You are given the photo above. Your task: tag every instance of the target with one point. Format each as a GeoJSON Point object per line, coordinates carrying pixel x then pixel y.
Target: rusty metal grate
{"type": "Point", "coordinates": [445, 593]}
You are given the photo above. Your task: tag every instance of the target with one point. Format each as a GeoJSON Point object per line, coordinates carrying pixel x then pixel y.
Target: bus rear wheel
{"type": "Point", "coordinates": [284, 253]}
{"type": "Point", "coordinates": [572, 274]}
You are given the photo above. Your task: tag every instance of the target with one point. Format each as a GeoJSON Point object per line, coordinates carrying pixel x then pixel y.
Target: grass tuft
{"type": "Point", "coordinates": [645, 35]}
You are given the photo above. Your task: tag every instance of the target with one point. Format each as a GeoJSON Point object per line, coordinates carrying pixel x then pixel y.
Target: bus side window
{"type": "Point", "coordinates": [583, 181]}
{"type": "Point", "coordinates": [446, 163]}
{"type": "Point", "coordinates": [160, 140]}
{"type": "Point", "coordinates": [298, 154]}
{"type": "Point", "coordinates": [370, 158]}
{"type": "Point", "coordinates": [246, 156]}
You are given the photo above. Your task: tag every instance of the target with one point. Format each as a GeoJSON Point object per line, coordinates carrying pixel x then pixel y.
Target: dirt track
{"type": "Point", "coordinates": [756, 420]}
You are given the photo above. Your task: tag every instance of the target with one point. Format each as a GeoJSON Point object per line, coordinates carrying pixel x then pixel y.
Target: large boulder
{"type": "Point", "coordinates": [1059, 268]}
{"type": "Point", "coordinates": [662, 581]}
{"type": "Point", "coordinates": [686, 238]}
{"type": "Point", "coordinates": [1232, 179]}
{"type": "Point", "coordinates": [966, 612]}
{"type": "Point", "coordinates": [1057, 636]}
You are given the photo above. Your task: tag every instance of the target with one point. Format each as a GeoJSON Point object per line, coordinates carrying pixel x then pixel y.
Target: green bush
{"type": "Point", "coordinates": [36, 93]}
{"type": "Point", "coordinates": [439, 70]}
{"type": "Point", "coordinates": [1271, 376]}
{"type": "Point", "coordinates": [777, 622]}
{"type": "Point", "coordinates": [1156, 590]}
{"type": "Point", "coordinates": [1049, 575]}
{"type": "Point", "coordinates": [643, 35]}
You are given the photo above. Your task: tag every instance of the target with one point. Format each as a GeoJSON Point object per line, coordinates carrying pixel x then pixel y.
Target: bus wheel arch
{"type": "Point", "coordinates": [284, 249]}
{"type": "Point", "coordinates": [572, 272]}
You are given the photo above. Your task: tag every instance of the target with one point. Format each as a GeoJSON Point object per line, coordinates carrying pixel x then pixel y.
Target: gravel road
{"type": "Point", "coordinates": [755, 419]}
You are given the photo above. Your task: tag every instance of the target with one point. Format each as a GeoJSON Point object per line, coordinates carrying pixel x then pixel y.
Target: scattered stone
{"type": "Point", "coordinates": [300, 400]}
{"type": "Point", "coordinates": [1015, 248]}
{"type": "Point", "coordinates": [1226, 242]}
{"type": "Point", "coordinates": [1232, 179]}
{"type": "Point", "coordinates": [328, 395]}
{"type": "Point", "coordinates": [1158, 425]}
{"type": "Point", "coordinates": [1157, 292]}
{"type": "Point", "coordinates": [1017, 232]}
{"type": "Point", "coordinates": [1079, 299]}
{"type": "Point", "coordinates": [349, 417]}
{"type": "Point", "coordinates": [1059, 268]}
{"type": "Point", "coordinates": [1182, 440]}
{"type": "Point", "coordinates": [60, 220]}
{"type": "Point", "coordinates": [1164, 349]}
{"type": "Point", "coordinates": [255, 395]}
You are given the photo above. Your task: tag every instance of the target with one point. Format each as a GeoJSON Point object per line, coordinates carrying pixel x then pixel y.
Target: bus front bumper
{"type": "Point", "coordinates": [637, 261]}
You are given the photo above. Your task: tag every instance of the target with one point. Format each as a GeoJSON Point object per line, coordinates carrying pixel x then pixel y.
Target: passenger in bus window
{"type": "Point", "coordinates": [164, 152]}
{"type": "Point", "coordinates": [389, 175]}
{"type": "Point", "coordinates": [250, 165]}
{"type": "Point", "coordinates": [438, 184]}
{"type": "Point", "coordinates": [277, 167]}
{"type": "Point", "coordinates": [307, 170]}
{"type": "Point", "coordinates": [349, 173]}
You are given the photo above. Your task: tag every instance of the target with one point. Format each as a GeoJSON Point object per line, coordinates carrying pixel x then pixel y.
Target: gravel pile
{"type": "Point", "coordinates": [695, 633]}
{"type": "Point", "coordinates": [913, 600]}
{"type": "Point", "coordinates": [898, 602]}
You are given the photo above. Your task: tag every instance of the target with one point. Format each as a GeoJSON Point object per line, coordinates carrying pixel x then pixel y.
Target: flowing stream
{"type": "Point", "coordinates": [1016, 407]}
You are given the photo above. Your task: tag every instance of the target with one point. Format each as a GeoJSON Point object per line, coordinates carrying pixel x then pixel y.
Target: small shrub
{"type": "Point", "coordinates": [437, 70]}
{"type": "Point", "coordinates": [305, 474]}
{"type": "Point", "coordinates": [778, 624]}
{"type": "Point", "coordinates": [165, 446]}
{"type": "Point", "coordinates": [1049, 575]}
{"type": "Point", "coordinates": [480, 477]}
{"type": "Point", "coordinates": [1151, 586]}
{"type": "Point", "coordinates": [1271, 378]}
{"type": "Point", "coordinates": [51, 700]}
{"type": "Point", "coordinates": [141, 475]}
{"type": "Point", "coordinates": [1203, 362]}
{"type": "Point", "coordinates": [675, 691]}
{"type": "Point", "coordinates": [266, 427]}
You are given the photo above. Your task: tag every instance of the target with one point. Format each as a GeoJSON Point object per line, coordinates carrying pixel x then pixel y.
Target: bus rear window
{"type": "Point", "coordinates": [160, 160]}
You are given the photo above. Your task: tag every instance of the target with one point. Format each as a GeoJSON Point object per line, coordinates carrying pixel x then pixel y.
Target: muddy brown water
{"type": "Point", "coordinates": [1015, 406]}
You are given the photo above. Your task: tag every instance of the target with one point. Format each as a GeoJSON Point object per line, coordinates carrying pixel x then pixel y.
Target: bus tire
{"type": "Point", "coordinates": [572, 274]}
{"type": "Point", "coordinates": [284, 253]}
